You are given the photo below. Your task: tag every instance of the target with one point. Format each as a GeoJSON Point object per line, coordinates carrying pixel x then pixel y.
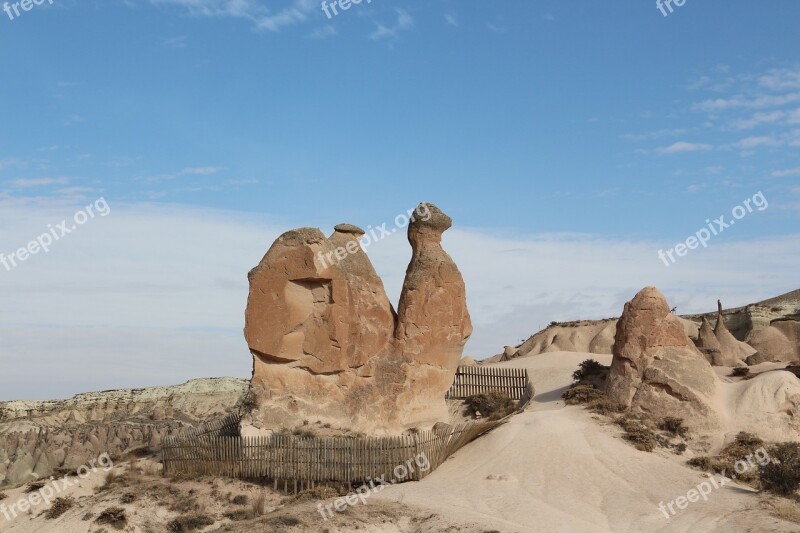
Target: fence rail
{"type": "Point", "coordinates": [471, 380]}
{"type": "Point", "coordinates": [216, 449]}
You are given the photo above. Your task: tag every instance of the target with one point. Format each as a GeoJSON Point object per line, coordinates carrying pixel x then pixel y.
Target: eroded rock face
{"type": "Point", "coordinates": [656, 368]}
{"type": "Point", "coordinates": [708, 343]}
{"type": "Point", "coordinates": [733, 352]}
{"type": "Point", "coordinates": [327, 344]}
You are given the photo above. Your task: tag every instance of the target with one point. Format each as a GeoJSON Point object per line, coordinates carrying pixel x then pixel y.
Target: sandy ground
{"type": "Point", "coordinates": [552, 468]}
{"type": "Point", "coordinates": [559, 468]}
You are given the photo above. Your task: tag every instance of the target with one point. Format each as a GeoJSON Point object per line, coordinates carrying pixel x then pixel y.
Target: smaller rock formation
{"type": "Point", "coordinates": [656, 368]}
{"type": "Point", "coordinates": [708, 344]}
{"type": "Point", "coordinates": [733, 352]}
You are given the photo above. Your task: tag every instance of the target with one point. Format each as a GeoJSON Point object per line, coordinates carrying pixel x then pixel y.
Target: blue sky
{"type": "Point", "coordinates": [568, 141]}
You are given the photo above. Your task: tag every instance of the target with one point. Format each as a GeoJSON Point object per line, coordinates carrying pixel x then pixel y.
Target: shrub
{"type": "Point", "coordinates": [637, 432]}
{"type": "Point", "coordinates": [127, 498]}
{"type": "Point", "coordinates": [241, 499]}
{"type": "Point", "coordinates": [589, 368]}
{"type": "Point", "coordinates": [33, 486]}
{"type": "Point", "coordinates": [3, 496]}
{"type": "Point", "coordinates": [744, 445]}
{"type": "Point", "coordinates": [674, 426]}
{"type": "Point", "coordinates": [191, 522]}
{"type": "Point", "coordinates": [285, 521]}
{"type": "Point", "coordinates": [740, 372]}
{"type": "Point", "coordinates": [259, 505]}
{"type": "Point", "coordinates": [581, 394]}
{"type": "Point", "coordinates": [59, 507]}
{"type": "Point", "coordinates": [782, 474]}
{"type": "Point", "coordinates": [492, 405]}
{"type": "Point", "coordinates": [114, 517]}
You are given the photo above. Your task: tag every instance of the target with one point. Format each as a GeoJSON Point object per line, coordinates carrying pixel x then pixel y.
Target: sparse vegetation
{"type": "Point", "coordinates": [322, 492]}
{"type": "Point", "coordinates": [33, 486]}
{"type": "Point", "coordinates": [241, 499]}
{"type": "Point", "coordinates": [249, 401]}
{"type": "Point", "coordinates": [59, 507]}
{"type": "Point", "coordinates": [127, 498]}
{"type": "Point", "coordinates": [114, 517]}
{"type": "Point", "coordinates": [3, 496]}
{"type": "Point", "coordinates": [674, 426]}
{"type": "Point", "coordinates": [284, 521]}
{"type": "Point", "coordinates": [782, 474]}
{"type": "Point", "coordinates": [191, 522]}
{"type": "Point", "coordinates": [740, 372]}
{"type": "Point", "coordinates": [588, 369]}
{"type": "Point", "coordinates": [492, 405]}
{"type": "Point", "coordinates": [638, 432]}
{"type": "Point", "coordinates": [744, 445]}
{"type": "Point", "coordinates": [259, 505]}
{"type": "Point", "coordinates": [582, 394]}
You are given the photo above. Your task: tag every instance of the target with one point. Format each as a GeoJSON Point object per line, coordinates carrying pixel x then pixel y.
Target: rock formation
{"type": "Point", "coordinates": [327, 344]}
{"type": "Point", "coordinates": [656, 368]}
{"type": "Point", "coordinates": [708, 344]}
{"type": "Point", "coordinates": [732, 351]}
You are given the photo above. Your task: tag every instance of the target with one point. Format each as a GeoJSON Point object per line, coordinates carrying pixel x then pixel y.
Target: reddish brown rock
{"type": "Point", "coordinates": [327, 344]}
{"type": "Point", "coordinates": [656, 368]}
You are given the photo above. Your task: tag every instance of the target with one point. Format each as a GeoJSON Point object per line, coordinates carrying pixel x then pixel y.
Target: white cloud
{"type": "Point", "coordinates": [165, 287]}
{"type": "Point", "coordinates": [265, 18]}
{"type": "Point", "coordinates": [787, 172]}
{"type": "Point", "coordinates": [404, 22]}
{"type": "Point", "coordinates": [724, 104]}
{"type": "Point", "coordinates": [758, 119]}
{"type": "Point", "coordinates": [38, 182]}
{"type": "Point", "coordinates": [683, 147]}
{"type": "Point", "coordinates": [201, 171]}
{"type": "Point", "coordinates": [781, 80]}
{"type": "Point", "coordinates": [451, 20]}
{"type": "Point", "coordinates": [755, 142]}
{"type": "Point", "coordinates": [323, 32]}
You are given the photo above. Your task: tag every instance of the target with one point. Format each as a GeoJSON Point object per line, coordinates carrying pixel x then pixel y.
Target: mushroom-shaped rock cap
{"type": "Point", "coordinates": [429, 216]}
{"type": "Point", "coordinates": [349, 228]}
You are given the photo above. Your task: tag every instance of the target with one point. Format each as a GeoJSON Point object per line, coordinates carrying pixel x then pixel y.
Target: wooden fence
{"type": "Point", "coordinates": [471, 380]}
{"type": "Point", "coordinates": [216, 449]}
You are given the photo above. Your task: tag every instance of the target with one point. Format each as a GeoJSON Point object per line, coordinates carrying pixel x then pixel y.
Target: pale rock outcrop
{"type": "Point", "coordinates": [327, 344]}
{"type": "Point", "coordinates": [708, 344]}
{"type": "Point", "coordinates": [779, 341]}
{"type": "Point", "coordinates": [656, 368]}
{"type": "Point", "coordinates": [733, 352]}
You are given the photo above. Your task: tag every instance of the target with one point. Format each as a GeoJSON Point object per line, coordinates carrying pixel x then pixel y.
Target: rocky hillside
{"type": "Point", "coordinates": [39, 438]}
{"type": "Point", "coordinates": [764, 331]}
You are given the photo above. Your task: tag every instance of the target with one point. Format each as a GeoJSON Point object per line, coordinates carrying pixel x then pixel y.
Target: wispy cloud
{"type": "Point", "coordinates": [451, 20]}
{"type": "Point", "coordinates": [683, 147]}
{"type": "Point", "coordinates": [404, 22]}
{"type": "Point", "coordinates": [786, 172]}
{"type": "Point", "coordinates": [323, 32]}
{"type": "Point", "coordinates": [269, 19]}
{"type": "Point", "coordinates": [38, 182]}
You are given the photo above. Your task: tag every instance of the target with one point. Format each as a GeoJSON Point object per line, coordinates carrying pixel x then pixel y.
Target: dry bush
{"type": "Point", "coordinates": [743, 445]}
{"type": "Point", "coordinates": [33, 486]}
{"type": "Point", "coordinates": [582, 394]}
{"type": "Point", "coordinates": [589, 369]}
{"type": "Point", "coordinates": [241, 499]}
{"type": "Point", "coordinates": [740, 372]}
{"type": "Point", "coordinates": [304, 433]}
{"type": "Point", "coordinates": [239, 514]}
{"type": "Point", "coordinates": [3, 496]}
{"type": "Point", "coordinates": [59, 507]}
{"type": "Point", "coordinates": [128, 497]}
{"type": "Point", "coordinates": [782, 474]}
{"type": "Point", "coordinates": [492, 405]}
{"type": "Point", "coordinates": [259, 504]}
{"type": "Point", "coordinates": [282, 521]}
{"type": "Point", "coordinates": [114, 517]}
{"type": "Point", "coordinates": [638, 432]}
{"type": "Point", "coordinates": [785, 509]}
{"type": "Point", "coordinates": [190, 522]}
{"type": "Point", "coordinates": [322, 492]}
{"type": "Point", "coordinates": [674, 426]}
